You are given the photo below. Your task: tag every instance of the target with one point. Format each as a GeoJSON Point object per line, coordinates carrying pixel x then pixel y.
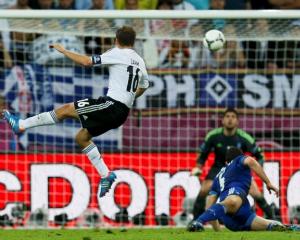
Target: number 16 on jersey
{"type": "Point", "coordinates": [133, 79]}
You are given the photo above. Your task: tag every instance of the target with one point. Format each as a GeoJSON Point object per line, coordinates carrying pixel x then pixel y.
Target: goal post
{"type": "Point", "coordinates": [43, 173]}
{"type": "Point", "coordinates": [150, 14]}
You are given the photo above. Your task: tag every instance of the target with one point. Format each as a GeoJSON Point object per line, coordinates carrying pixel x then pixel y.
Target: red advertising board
{"type": "Point", "coordinates": [152, 182]}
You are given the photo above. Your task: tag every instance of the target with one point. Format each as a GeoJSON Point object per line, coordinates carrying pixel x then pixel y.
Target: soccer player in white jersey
{"type": "Point", "coordinates": [128, 79]}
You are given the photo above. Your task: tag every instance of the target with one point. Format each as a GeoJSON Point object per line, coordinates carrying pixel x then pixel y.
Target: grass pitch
{"type": "Point", "coordinates": [143, 234]}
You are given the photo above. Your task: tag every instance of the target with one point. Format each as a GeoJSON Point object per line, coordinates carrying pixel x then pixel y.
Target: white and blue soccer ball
{"type": "Point", "coordinates": [214, 40]}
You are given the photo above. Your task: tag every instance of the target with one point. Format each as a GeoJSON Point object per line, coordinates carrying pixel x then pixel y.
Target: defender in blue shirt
{"type": "Point", "coordinates": [231, 186]}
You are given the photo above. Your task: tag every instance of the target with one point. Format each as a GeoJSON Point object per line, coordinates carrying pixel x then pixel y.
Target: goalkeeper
{"type": "Point", "coordinates": [220, 139]}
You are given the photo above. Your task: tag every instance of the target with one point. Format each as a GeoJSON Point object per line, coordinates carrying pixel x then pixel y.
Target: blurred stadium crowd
{"type": "Point", "coordinates": [149, 4]}
{"type": "Point", "coordinates": [185, 50]}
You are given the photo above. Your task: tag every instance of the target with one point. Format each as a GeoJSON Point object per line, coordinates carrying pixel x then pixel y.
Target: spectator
{"type": "Point", "coordinates": [41, 4]}
{"type": "Point", "coordinates": [195, 46]}
{"type": "Point", "coordinates": [97, 45]}
{"type": "Point", "coordinates": [162, 27]}
{"type": "Point", "coordinates": [66, 5]}
{"type": "Point", "coordinates": [83, 4]}
{"type": "Point", "coordinates": [137, 23]}
{"type": "Point", "coordinates": [5, 35]}
{"type": "Point", "coordinates": [261, 4]}
{"type": "Point", "coordinates": [131, 4]}
{"type": "Point", "coordinates": [237, 4]}
{"type": "Point", "coordinates": [175, 56]}
{"type": "Point", "coordinates": [109, 5]}
{"type": "Point", "coordinates": [275, 50]}
{"type": "Point", "coordinates": [5, 59]}
{"type": "Point", "coordinates": [182, 5]}
{"type": "Point", "coordinates": [97, 5]}
{"type": "Point", "coordinates": [256, 51]}
{"type": "Point", "coordinates": [21, 4]}
{"type": "Point", "coordinates": [87, 4]}
{"type": "Point", "coordinates": [141, 4]}
{"type": "Point", "coordinates": [218, 5]}
{"type": "Point", "coordinates": [181, 26]}
{"type": "Point", "coordinates": [199, 5]}
{"type": "Point", "coordinates": [285, 4]}
{"type": "Point", "coordinates": [293, 47]}
{"type": "Point", "coordinates": [20, 42]}
{"type": "Point", "coordinates": [264, 53]}
{"type": "Point", "coordinates": [4, 4]}
{"type": "Point", "coordinates": [276, 54]}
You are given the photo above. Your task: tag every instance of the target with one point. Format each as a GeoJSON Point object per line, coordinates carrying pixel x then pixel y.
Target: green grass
{"type": "Point", "coordinates": [143, 234]}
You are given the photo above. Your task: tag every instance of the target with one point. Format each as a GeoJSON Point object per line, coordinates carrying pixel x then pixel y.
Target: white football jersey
{"type": "Point", "coordinates": [127, 72]}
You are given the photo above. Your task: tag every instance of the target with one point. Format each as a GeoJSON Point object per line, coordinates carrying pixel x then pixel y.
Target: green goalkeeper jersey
{"type": "Point", "coordinates": [216, 141]}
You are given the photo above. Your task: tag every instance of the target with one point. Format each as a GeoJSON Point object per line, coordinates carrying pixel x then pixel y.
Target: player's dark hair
{"type": "Point", "coordinates": [164, 2]}
{"type": "Point", "coordinates": [126, 36]}
{"type": "Point", "coordinates": [231, 110]}
{"type": "Point", "coordinates": [232, 153]}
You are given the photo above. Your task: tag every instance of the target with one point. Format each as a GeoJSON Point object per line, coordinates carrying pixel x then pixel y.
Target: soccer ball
{"type": "Point", "coordinates": [214, 40]}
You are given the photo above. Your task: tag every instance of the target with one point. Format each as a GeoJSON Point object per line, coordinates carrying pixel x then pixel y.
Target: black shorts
{"type": "Point", "coordinates": [213, 173]}
{"type": "Point", "coordinates": [102, 114]}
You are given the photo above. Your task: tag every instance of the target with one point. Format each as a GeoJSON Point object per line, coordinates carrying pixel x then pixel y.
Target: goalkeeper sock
{"type": "Point", "coordinates": [215, 212]}
{"type": "Point", "coordinates": [262, 203]}
{"type": "Point", "coordinates": [42, 119]}
{"type": "Point", "coordinates": [94, 156]}
{"type": "Point", "coordinates": [199, 206]}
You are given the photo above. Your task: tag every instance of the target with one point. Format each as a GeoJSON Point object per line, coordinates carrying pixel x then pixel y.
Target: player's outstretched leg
{"type": "Point", "coordinates": [83, 138]}
{"type": "Point", "coordinates": [47, 118]}
{"type": "Point", "coordinates": [283, 228]}
{"type": "Point", "coordinates": [13, 121]}
{"type": "Point", "coordinates": [262, 224]}
{"type": "Point", "coordinates": [215, 212]}
{"type": "Point", "coordinates": [106, 183]}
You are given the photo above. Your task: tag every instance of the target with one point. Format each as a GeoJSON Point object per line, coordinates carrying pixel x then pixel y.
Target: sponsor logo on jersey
{"type": "Point", "coordinates": [231, 191]}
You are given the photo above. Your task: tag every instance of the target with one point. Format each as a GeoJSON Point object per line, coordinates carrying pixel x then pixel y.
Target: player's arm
{"type": "Point", "coordinates": [139, 92]}
{"type": "Point", "coordinates": [143, 84]}
{"type": "Point", "coordinates": [75, 57]}
{"type": "Point", "coordinates": [254, 166]}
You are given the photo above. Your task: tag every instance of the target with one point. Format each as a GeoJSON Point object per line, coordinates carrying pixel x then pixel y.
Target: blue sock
{"type": "Point", "coordinates": [276, 226]}
{"type": "Point", "coordinates": [213, 213]}
{"type": "Point", "coordinates": [270, 226]}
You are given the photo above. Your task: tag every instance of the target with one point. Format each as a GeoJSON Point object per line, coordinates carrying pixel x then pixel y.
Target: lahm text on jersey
{"type": "Point", "coordinates": [134, 62]}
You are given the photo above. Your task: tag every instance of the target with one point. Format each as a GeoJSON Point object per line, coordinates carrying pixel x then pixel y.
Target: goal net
{"type": "Point", "coordinates": [44, 178]}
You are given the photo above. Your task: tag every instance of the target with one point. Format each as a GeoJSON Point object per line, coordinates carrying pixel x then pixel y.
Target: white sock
{"type": "Point", "coordinates": [42, 119]}
{"type": "Point", "coordinates": [95, 157]}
